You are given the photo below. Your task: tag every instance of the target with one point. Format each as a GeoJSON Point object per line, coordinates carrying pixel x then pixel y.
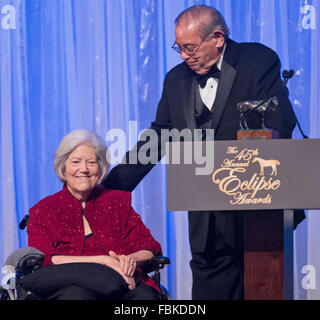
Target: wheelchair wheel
{"type": "Point", "coordinates": [4, 294]}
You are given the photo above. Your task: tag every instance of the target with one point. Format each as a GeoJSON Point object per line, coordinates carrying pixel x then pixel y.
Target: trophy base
{"type": "Point", "coordinates": [257, 134]}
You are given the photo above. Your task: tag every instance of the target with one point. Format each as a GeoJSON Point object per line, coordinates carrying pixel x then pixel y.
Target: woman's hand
{"type": "Point", "coordinates": [127, 263]}
{"type": "Point", "coordinates": [115, 265]}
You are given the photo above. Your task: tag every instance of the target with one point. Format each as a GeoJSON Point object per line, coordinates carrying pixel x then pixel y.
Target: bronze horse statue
{"type": "Point", "coordinates": [261, 106]}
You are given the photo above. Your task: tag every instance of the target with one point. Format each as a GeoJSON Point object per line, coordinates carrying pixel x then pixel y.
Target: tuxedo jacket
{"type": "Point", "coordinates": [249, 71]}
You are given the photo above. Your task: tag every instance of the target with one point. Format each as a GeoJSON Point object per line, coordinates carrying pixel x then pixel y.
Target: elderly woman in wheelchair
{"type": "Point", "coordinates": [95, 245]}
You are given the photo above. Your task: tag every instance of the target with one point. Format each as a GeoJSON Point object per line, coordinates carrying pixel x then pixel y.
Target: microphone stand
{"type": "Point", "coordinates": [287, 75]}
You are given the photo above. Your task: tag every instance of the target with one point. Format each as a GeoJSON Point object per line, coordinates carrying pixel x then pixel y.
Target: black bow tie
{"type": "Point", "coordinates": [202, 79]}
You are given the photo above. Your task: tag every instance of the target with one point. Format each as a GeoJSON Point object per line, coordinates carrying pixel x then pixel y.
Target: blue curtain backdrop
{"type": "Point", "coordinates": [99, 64]}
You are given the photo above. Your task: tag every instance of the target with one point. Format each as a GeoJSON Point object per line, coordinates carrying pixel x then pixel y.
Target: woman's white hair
{"type": "Point", "coordinates": [72, 141]}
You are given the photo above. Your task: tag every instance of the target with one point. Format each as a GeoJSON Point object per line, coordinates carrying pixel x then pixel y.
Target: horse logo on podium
{"type": "Point", "coordinates": [247, 178]}
{"type": "Point", "coordinates": [267, 163]}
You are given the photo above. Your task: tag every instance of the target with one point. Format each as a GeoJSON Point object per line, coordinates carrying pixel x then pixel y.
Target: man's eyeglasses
{"type": "Point", "coordinates": [189, 49]}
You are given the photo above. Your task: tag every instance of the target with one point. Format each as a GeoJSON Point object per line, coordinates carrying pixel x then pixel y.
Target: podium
{"type": "Point", "coordinates": [266, 179]}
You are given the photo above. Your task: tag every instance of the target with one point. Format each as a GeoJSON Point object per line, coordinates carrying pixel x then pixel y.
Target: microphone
{"type": "Point", "coordinates": [286, 75]}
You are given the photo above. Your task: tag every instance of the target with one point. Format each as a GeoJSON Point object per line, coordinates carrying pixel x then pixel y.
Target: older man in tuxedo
{"type": "Point", "coordinates": [202, 93]}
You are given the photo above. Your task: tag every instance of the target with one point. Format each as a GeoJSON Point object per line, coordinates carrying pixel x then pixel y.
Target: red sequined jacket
{"type": "Point", "coordinates": [56, 227]}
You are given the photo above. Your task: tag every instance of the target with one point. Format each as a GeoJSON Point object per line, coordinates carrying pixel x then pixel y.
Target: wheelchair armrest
{"type": "Point", "coordinates": [156, 263]}
{"type": "Point", "coordinates": [30, 263]}
{"type": "Point", "coordinates": [25, 260]}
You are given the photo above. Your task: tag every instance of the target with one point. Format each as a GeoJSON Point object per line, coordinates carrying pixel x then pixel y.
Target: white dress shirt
{"type": "Point", "coordinates": [208, 93]}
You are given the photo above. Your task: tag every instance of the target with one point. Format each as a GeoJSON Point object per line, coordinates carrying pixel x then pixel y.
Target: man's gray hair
{"type": "Point", "coordinates": [72, 141]}
{"type": "Point", "coordinates": [208, 18]}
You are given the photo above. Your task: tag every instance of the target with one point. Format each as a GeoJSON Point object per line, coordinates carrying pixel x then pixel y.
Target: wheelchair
{"type": "Point", "coordinates": [27, 260]}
